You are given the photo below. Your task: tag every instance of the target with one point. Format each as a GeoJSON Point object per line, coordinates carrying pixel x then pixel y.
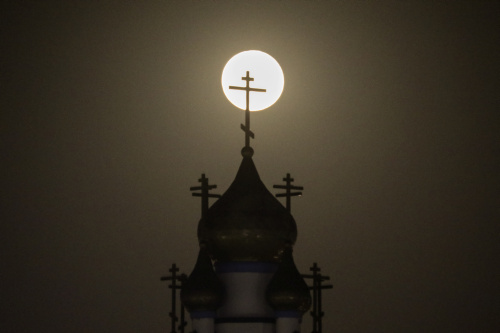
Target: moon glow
{"type": "Point", "coordinates": [267, 74]}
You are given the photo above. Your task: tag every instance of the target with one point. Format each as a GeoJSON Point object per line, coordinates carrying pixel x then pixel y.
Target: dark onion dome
{"type": "Point", "coordinates": [247, 223]}
{"type": "Point", "coordinates": [287, 290]}
{"type": "Point", "coordinates": [202, 291]}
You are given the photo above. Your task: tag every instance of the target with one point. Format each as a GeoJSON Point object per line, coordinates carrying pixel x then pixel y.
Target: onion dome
{"type": "Point", "coordinates": [202, 291]}
{"type": "Point", "coordinates": [287, 290]}
{"type": "Point", "coordinates": [247, 223]}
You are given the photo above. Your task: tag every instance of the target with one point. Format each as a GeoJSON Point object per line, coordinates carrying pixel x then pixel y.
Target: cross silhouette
{"type": "Point", "coordinates": [174, 286]}
{"type": "Point", "coordinates": [288, 194]}
{"type": "Point", "coordinates": [204, 194]}
{"type": "Point", "coordinates": [246, 128]}
{"type": "Point", "coordinates": [317, 312]}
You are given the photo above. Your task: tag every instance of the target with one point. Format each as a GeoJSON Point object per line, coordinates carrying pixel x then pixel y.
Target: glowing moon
{"type": "Point", "coordinates": [267, 75]}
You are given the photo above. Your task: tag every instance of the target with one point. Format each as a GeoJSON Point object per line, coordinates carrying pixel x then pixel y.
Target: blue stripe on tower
{"type": "Point", "coordinates": [245, 267]}
{"type": "Point", "coordinates": [244, 320]}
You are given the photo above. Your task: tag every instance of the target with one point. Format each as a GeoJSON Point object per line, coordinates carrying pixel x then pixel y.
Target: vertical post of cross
{"type": "Point", "coordinates": [320, 312]}
{"type": "Point", "coordinates": [315, 269]}
{"type": "Point", "coordinates": [174, 287]}
{"type": "Point", "coordinates": [173, 314]}
{"type": "Point", "coordinates": [182, 323]}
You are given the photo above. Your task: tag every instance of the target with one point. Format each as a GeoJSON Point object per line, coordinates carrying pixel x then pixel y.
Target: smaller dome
{"type": "Point", "coordinates": [203, 291]}
{"type": "Point", "coordinates": [287, 290]}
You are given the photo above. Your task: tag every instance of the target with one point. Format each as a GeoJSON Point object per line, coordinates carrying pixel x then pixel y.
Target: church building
{"type": "Point", "coordinates": [245, 279]}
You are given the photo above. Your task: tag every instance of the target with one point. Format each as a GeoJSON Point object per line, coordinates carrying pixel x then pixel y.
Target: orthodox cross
{"type": "Point", "coordinates": [246, 127]}
{"type": "Point", "coordinates": [174, 286]}
{"type": "Point", "coordinates": [317, 312]}
{"type": "Point", "coordinates": [204, 194]}
{"type": "Point", "coordinates": [288, 194]}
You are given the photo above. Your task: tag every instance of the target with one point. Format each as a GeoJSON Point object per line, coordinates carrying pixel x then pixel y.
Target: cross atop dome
{"type": "Point", "coordinates": [288, 193]}
{"type": "Point", "coordinates": [266, 71]}
{"type": "Point", "coordinates": [205, 188]}
{"type": "Point", "coordinates": [246, 128]}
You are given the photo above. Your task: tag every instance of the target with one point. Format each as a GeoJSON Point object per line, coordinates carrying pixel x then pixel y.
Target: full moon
{"type": "Point", "coordinates": [265, 71]}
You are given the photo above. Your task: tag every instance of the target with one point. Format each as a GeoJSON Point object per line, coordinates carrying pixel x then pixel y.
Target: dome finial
{"type": "Point", "coordinates": [247, 151]}
{"type": "Point", "coordinates": [246, 128]}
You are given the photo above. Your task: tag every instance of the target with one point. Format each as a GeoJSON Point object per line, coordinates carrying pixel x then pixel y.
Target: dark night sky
{"type": "Point", "coordinates": [111, 110]}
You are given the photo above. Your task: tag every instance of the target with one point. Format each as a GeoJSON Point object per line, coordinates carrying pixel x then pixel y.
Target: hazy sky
{"type": "Point", "coordinates": [111, 110]}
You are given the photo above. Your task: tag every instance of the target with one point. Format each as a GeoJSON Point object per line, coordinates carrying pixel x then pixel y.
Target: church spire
{"type": "Point", "coordinates": [245, 279]}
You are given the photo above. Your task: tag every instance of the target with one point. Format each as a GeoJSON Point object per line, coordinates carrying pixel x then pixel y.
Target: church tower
{"type": "Point", "coordinates": [245, 279]}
